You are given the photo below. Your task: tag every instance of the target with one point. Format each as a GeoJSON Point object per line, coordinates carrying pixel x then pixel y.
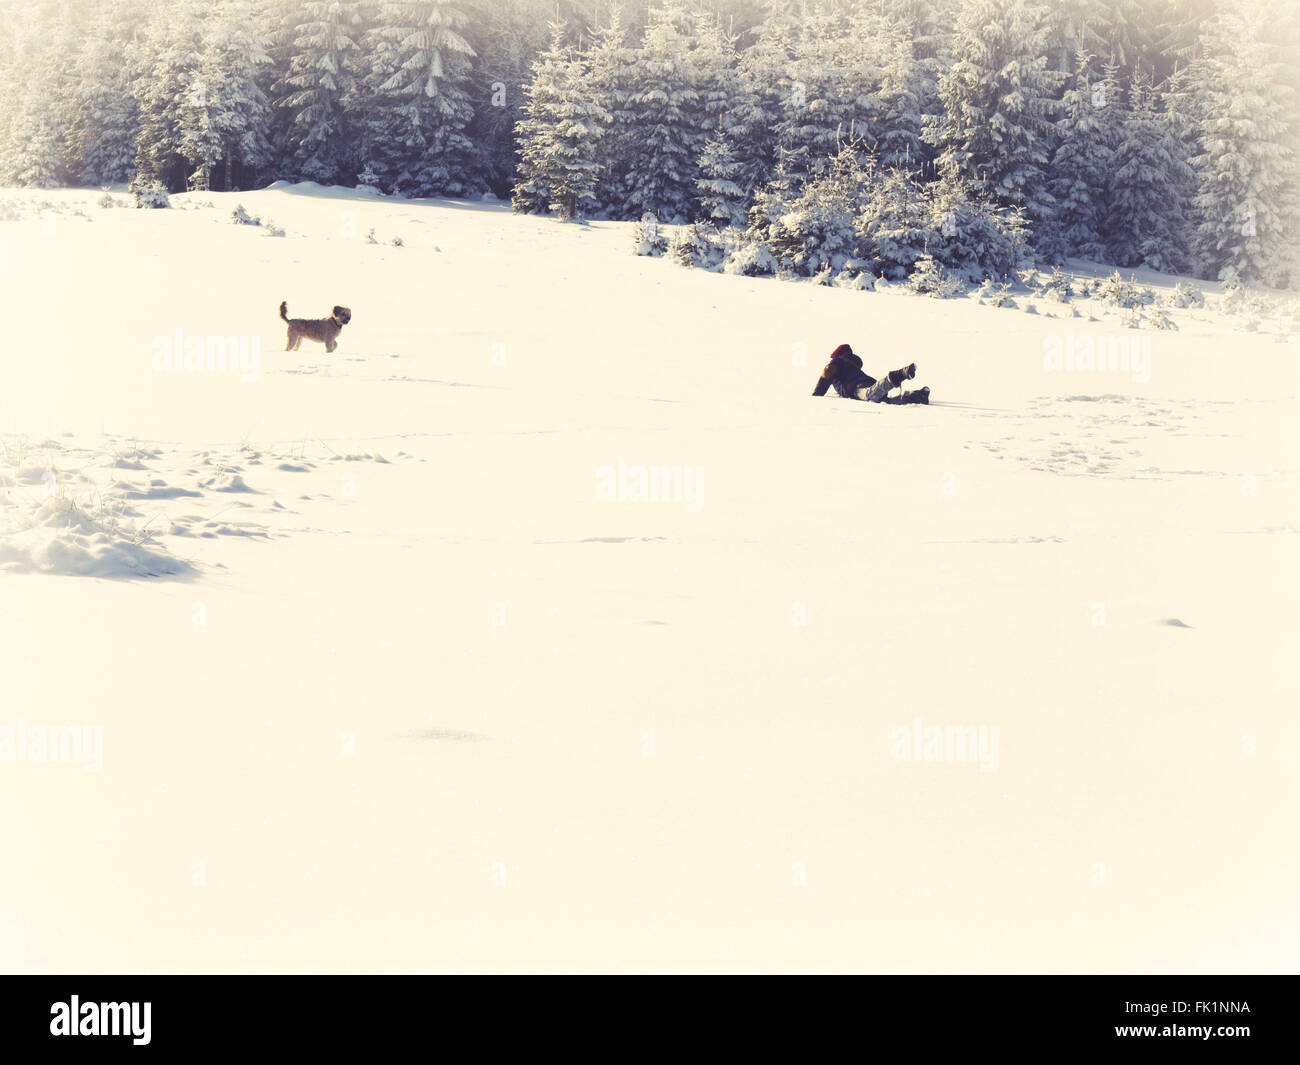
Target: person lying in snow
{"type": "Point", "coordinates": [844, 372]}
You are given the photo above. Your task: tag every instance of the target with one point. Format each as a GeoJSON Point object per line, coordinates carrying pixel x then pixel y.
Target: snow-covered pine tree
{"type": "Point", "coordinates": [1088, 133]}
{"type": "Point", "coordinates": [1118, 29]}
{"type": "Point", "coordinates": [833, 97]}
{"type": "Point", "coordinates": [42, 101]}
{"type": "Point", "coordinates": [10, 54]}
{"type": "Point", "coordinates": [559, 134]}
{"type": "Point", "coordinates": [902, 82]}
{"type": "Point", "coordinates": [506, 35]}
{"type": "Point", "coordinates": [664, 131]}
{"type": "Point", "coordinates": [417, 106]}
{"type": "Point", "coordinates": [714, 56]}
{"type": "Point", "coordinates": [819, 227]}
{"type": "Point", "coordinates": [101, 137]}
{"type": "Point", "coordinates": [280, 23]}
{"type": "Point", "coordinates": [1182, 120]}
{"type": "Point", "coordinates": [1000, 100]}
{"type": "Point", "coordinates": [765, 84]}
{"type": "Point", "coordinates": [610, 62]}
{"type": "Point", "coordinates": [224, 117]}
{"type": "Point", "coordinates": [1147, 226]}
{"type": "Point", "coordinates": [1248, 168]}
{"type": "Point", "coordinates": [316, 91]}
{"type": "Point", "coordinates": [1174, 32]}
{"type": "Point", "coordinates": [167, 81]}
{"type": "Point", "coordinates": [1121, 29]}
{"type": "Point", "coordinates": [722, 201]}
{"type": "Point", "coordinates": [928, 25]}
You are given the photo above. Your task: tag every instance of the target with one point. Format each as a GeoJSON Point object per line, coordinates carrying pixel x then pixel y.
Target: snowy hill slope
{"type": "Point", "coordinates": [395, 669]}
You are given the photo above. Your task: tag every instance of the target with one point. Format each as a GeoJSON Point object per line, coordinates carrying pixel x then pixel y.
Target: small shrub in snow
{"type": "Point", "coordinates": [1159, 319]}
{"type": "Point", "coordinates": [823, 276]}
{"type": "Point", "coordinates": [969, 236]}
{"type": "Point", "coordinates": [1132, 318]}
{"type": "Point", "coordinates": [648, 239]}
{"type": "Point", "coordinates": [1262, 306]}
{"type": "Point", "coordinates": [687, 247]}
{"type": "Point", "coordinates": [861, 281]}
{"type": "Point", "coordinates": [1185, 296]}
{"type": "Point", "coordinates": [397, 242]}
{"type": "Point", "coordinates": [272, 230]}
{"type": "Point", "coordinates": [1030, 308]}
{"type": "Point", "coordinates": [713, 246]}
{"type": "Point", "coordinates": [818, 228]}
{"type": "Point", "coordinates": [897, 225]}
{"type": "Point", "coordinates": [107, 200]}
{"type": "Point", "coordinates": [751, 260]}
{"type": "Point", "coordinates": [995, 294]}
{"type": "Point", "coordinates": [853, 218]}
{"type": "Point", "coordinates": [1125, 295]}
{"type": "Point", "coordinates": [931, 279]}
{"type": "Point", "coordinates": [240, 217]}
{"type": "Point", "coordinates": [367, 179]}
{"type": "Point", "coordinates": [370, 236]}
{"type": "Point", "coordinates": [149, 194]}
{"type": "Point", "coordinates": [1057, 287]}
{"type": "Point", "coordinates": [1237, 299]}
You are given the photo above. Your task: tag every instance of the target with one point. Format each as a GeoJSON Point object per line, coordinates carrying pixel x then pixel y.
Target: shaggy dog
{"type": "Point", "coordinates": [322, 330]}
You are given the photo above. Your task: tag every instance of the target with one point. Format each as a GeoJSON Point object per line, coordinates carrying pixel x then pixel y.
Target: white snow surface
{"type": "Point", "coordinates": [394, 672]}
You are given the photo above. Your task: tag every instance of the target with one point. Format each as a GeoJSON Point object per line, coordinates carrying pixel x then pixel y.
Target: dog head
{"type": "Point", "coordinates": [342, 315]}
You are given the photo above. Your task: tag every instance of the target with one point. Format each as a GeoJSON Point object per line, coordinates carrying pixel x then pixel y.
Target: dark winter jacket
{"type": "Point", "coordinates": [844, 372]}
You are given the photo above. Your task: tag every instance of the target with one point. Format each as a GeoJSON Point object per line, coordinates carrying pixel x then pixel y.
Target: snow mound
{"type": "Point", "coordinates": [61, 538]}
{"type": "Point", "coordinates": [226, 482]}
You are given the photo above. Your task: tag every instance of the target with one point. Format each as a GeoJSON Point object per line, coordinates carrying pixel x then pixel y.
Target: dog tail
{"type": "Point", "coordinates": [284, 309]}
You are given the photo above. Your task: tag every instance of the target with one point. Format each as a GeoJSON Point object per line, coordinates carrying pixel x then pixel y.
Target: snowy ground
{"type": "Point", "coordinates": [392, 670]}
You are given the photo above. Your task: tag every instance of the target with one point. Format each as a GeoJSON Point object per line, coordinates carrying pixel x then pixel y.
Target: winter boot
{"type": "Point", "coordinates": [891, 381]}
{"type": "Point", "coordinates": [921, 395]}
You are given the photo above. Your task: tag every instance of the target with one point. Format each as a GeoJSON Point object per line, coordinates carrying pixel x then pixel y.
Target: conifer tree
{"type": "Point", "coordinates": [416, 104]}
{"type": "Point", "coordinates": [997, 130]}
{"type": "Point", "coordinates": [1248, 168]}
{"type": "Point", "coordinates": [722, 200]}
{"type": "Point", "coordinates": [664, 131]}
{"type": "Point", "coordinates": [1147, 226]}
{"type": "Point", "coordinates": [1089, 132]}
{"type": "Point", "coordinates": [318, 90]}
{"type": "Point", "coordinates": [558, 135]}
